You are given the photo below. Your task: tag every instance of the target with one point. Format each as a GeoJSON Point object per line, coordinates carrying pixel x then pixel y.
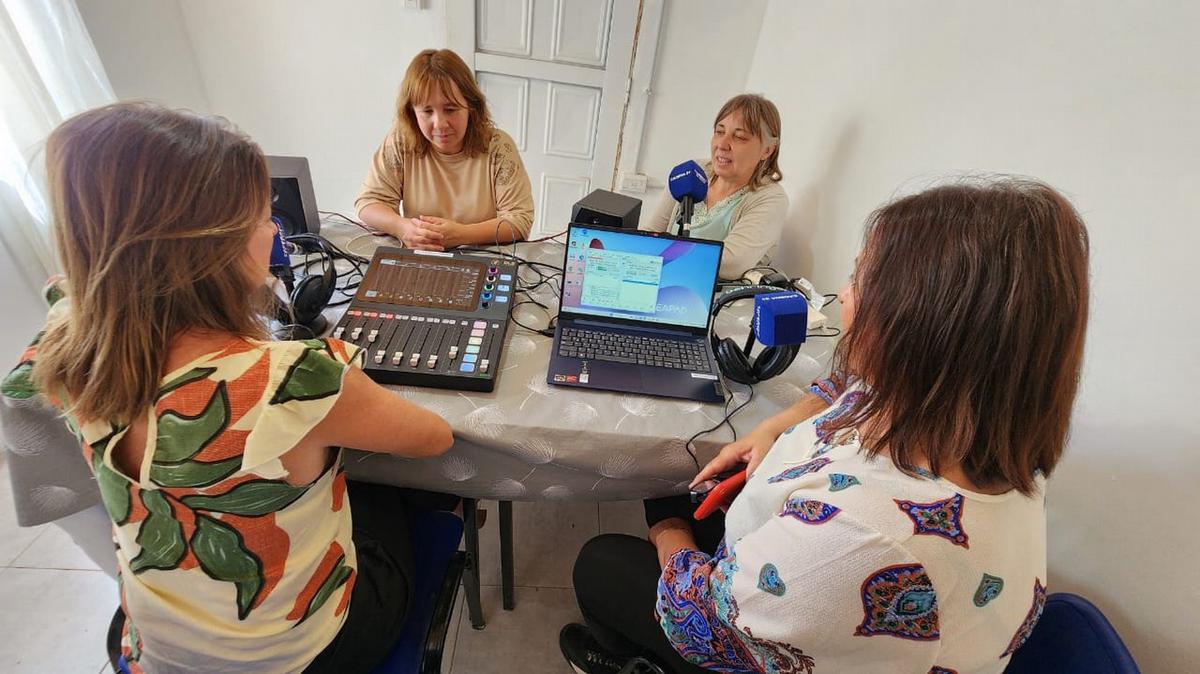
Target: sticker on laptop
{"type": "Point", "coordinates": [583, 378]}
{"type": "Point", "coordinates": [704, 375]}
{"type": "Point", "coordinates": [560, 378]}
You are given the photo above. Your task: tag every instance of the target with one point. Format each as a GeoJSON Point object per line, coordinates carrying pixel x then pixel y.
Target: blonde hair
{"type": "Point", "coordinates": [153, 210]}
{"type": "Point", "coordinates": [442, 69]}
{"type": "Point", "coordinates": [762, 119]}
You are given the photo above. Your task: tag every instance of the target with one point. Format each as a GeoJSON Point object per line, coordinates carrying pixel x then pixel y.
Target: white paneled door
{"type": "Point", "coordinates": [555, 73]}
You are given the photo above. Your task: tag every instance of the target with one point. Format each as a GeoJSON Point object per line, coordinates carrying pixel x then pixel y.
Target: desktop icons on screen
{"type": "Point", "coordinates": [638, 276]}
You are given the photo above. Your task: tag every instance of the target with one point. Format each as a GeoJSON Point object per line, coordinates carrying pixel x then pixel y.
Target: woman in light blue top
{"type": "Point", "coordinates": [745, 205]}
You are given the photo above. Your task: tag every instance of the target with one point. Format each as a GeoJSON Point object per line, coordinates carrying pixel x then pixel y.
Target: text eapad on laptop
{"type": "Point", "coordinates": [635, 312]}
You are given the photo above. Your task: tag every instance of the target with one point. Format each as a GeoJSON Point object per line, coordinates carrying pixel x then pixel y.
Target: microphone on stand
{"type": "Point", "coordinates": [688, 184]}
{"type": "Point", "coordinates": [281, 264]}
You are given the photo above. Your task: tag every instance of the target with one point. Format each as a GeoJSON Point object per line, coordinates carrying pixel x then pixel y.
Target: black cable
{"type": "Point", "coordinates": [545, 332]}
{"type": "Point", "coordinates": [528, 286]}
{"type": "Point", "coordinates": [835, 332]}
{"type": "Point", "coordinates": [354, 222]}
{"type": "Point", "coordinates": [762, 267]}
{"type": "Point", "coordinates": [727, 420]}
{"type": "Point", "coordinates": [328, 251]}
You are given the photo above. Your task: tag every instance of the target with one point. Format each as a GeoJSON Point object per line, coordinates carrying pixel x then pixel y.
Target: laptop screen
{"type": "Point", "coordinates": [639, 276]}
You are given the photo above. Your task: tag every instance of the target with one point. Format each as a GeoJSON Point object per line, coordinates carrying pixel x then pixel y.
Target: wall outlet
{"type": "Point", "coordinates": [633, 182]}
{"type": "Point", "coordinates": [411, 4]}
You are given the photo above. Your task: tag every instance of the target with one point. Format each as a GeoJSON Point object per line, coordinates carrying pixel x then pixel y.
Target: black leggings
{"type": "Point", "coordinates": [616, 583]}
{"type": "Point", "coordinates": [379, 601]}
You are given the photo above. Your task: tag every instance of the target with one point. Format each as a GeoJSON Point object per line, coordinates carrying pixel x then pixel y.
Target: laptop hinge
{"type": "Point", "coordinates": [636, 328]}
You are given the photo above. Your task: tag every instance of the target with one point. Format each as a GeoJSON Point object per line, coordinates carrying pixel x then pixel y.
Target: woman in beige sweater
{"type": "Point", "coordinates": [445, 176]}
{"type": "Point", "coordinates": [745, 204]}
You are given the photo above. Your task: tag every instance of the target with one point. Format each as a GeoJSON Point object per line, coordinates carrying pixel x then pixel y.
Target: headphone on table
{"type": "Point", "coordinates": [312, 292]}
{"type": "Point", "coordinates": [733, 360]}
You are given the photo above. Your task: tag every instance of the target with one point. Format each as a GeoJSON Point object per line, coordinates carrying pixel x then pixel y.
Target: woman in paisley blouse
{"type": "Point", "coordinates": [217, 453]}
{"type": "Point", "coordinates": [904, 529]}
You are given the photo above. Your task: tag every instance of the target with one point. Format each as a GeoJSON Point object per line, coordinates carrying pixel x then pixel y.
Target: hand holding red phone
{"type": "Point", "coordinates": [720, 495]}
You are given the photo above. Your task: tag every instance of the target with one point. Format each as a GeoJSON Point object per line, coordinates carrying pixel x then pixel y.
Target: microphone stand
{"type": "Point", "coordinates": [749, 345]}
{"type": "Point", "coordinates": [685, 216]}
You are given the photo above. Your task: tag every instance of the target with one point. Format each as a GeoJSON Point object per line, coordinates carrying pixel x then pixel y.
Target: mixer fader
{"type": "Point", "coordinates": [432, 318]}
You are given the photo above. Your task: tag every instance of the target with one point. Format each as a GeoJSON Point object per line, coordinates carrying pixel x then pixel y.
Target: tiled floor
{"type": "Point", "coordinates": [55, 604]}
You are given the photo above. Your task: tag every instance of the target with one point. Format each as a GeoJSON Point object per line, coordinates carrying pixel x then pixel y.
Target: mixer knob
{"type": "Point", "coordinates": [432, 362]}
{"type": "Point", "coordinates": [483, 365]}
{"type": "Point", "coordinates": [416, 358]}
{"type": "Point", "coordinates": [453, 352]}
{"type": "Point", "coordinates": [397, 357]}
{"type": "Point", "coordinates": [379, 356]}
{"type": "Point", "coordinates": [337, 334]}
{"type": "Point", "coordinates": [372, 335]}
{"type": "Point", "coordinates": [355, 333]}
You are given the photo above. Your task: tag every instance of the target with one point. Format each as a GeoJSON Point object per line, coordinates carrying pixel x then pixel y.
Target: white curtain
{"type": "Point", "coordinates": [49, 70]}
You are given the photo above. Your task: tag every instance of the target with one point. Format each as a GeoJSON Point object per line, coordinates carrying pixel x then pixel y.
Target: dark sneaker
{"type": "Point", "coordinates": [583, 653]}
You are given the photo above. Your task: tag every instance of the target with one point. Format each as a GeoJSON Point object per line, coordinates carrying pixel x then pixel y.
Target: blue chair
{"type": "Point", "coordinates": [438, 569]}
{"type": "Point", "coordinates": [1072, 636]}
{"type": "Point", "coordinates": [438, 566]}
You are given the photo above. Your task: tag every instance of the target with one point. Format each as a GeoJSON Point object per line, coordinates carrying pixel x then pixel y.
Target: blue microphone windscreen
{"type": "Point", "coordinates": [279, 257]}
{"type": "Point", "coordinates": [688, 180]}
{"type": "Point", "coordinates": [780, 318]}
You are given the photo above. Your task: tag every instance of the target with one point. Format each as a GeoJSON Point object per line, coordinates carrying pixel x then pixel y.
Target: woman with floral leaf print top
{"type": "Point", "coordinates": [217, 453]}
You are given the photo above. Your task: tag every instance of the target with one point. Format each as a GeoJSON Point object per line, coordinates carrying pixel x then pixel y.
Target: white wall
{"type": "Point", "coordinates": [146, 51]}
{"type": "Point", "coordinates": [1102, 101]}
{"type": "Point", "coordinates": [704, 53]}
{"type": "Point", "coordinates": [315, 78]}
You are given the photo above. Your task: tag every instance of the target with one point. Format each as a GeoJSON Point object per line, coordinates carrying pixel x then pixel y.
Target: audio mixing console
{"type": "Point", "coordinates": [431, 318]}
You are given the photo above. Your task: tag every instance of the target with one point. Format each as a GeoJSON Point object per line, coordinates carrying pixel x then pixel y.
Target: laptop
{"type": "Point", "coordinates": [635, 312]}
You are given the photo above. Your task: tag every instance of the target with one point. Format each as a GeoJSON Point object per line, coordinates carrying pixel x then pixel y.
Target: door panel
{"type": "Point", "coordinates": [558, 194]}
{"type": "Point", "coordinates": [583, 39]}
{"type": "Point", "coordinates": [508, 98]}
{"type": "Point", "coordinates": [571, 114]}
{"type": "Point", "coordinates": [504, 26]}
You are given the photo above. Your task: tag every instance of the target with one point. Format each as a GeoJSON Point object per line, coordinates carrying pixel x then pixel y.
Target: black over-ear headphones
{"type": "Point", "coordinates": [313, 291]}
{"type": "Point", "coordinates": [734, 360]}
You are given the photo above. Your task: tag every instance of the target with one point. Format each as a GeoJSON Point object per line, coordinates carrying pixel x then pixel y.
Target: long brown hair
{"type": "Point", "coordinates": [439, 69]}
{"type": "Point", "coordinates": [968, 331]}
{"type": "Point", "coordinates": [153, 210]}
{"type": "Point", "coordinates": [762, 119]}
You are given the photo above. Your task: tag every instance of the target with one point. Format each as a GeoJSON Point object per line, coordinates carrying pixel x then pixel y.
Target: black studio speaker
{"type": "Point", "coordinates": [292, 198]}
{"type": "Point", "coordinates": [607, 209]}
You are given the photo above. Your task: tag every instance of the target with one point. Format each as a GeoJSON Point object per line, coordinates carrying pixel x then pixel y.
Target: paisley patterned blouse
{"type": "Point", "coordinates": [836, 563]}
{"type": "Point", "coordinates": [222, 562]}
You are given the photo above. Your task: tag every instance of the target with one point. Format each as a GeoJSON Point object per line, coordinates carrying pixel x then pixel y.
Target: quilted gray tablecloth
{"type": "Point", "coordinates": [524, 441]}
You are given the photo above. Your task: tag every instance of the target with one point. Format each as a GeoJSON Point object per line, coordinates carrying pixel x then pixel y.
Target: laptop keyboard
{"type": "Point", "coordinates": [621, 348]}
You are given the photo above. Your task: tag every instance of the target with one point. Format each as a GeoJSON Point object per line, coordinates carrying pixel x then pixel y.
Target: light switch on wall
{"type": "Point", "coordinates": [412, 4]}
{"type": "Point", "coordinates": [633, 182]}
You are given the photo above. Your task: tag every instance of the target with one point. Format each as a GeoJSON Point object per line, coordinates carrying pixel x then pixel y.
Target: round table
{"type": "Point", "coordinates": [528, 440]}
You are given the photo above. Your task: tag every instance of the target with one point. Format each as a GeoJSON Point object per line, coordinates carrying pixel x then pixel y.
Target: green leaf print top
{"type": "Point", "coordinates": [223, 561]}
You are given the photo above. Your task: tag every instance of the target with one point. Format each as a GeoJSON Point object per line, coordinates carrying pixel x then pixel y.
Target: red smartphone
{"type": "Point", "coordinates": [721, 495]}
